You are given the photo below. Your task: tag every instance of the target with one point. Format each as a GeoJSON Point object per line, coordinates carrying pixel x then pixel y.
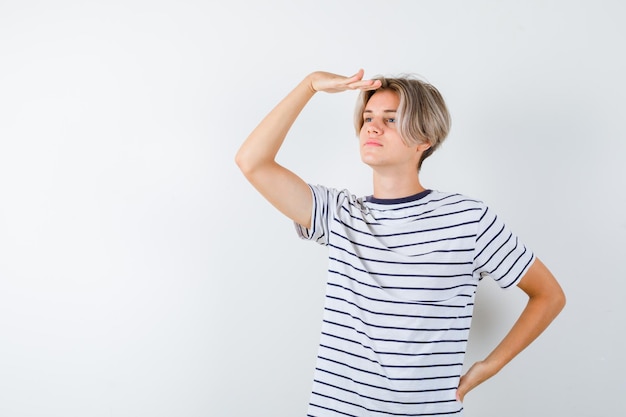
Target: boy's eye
{"type": "Point", "coordinates": [388, 120]}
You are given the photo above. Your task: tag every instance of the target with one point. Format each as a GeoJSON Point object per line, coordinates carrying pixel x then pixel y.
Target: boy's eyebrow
{"type": "Point", "coordinates": [384, 111]}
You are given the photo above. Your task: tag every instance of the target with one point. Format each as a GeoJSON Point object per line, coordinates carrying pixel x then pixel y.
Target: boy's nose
{"type": "Point", "coordinates": [373, 128]}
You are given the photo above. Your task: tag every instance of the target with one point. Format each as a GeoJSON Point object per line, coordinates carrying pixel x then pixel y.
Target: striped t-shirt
{"type": "Point", "coordinates": [400, 293]}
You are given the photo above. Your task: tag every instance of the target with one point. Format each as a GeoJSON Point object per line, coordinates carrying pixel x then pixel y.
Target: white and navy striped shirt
{"type": "Point", "coordinates": [399, 298]}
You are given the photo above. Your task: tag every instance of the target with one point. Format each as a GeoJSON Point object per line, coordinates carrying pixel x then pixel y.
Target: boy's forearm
{"type": "Point", "coordinates": [546, 300]}
{"type": "Point", "coordinates": [539, 312]}
{"type": "Point", "coordinates": [264, 142]}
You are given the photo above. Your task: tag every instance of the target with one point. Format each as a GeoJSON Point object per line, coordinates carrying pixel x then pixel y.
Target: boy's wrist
{"type": "Point", "coordinates": [309, 81]}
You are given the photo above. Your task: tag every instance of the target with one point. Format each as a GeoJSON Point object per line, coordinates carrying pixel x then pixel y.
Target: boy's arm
{"type": "Point", "coordinates": [546, 300]}
{"type": "Point", "coordinates": [256, 157]}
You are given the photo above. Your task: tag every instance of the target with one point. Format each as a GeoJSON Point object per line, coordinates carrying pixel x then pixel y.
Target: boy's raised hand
{"type": "Point", "coordinates": [334, 83]}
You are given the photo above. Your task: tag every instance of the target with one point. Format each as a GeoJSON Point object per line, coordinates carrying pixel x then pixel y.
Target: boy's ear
{"type": "Point", "coordinates": [423, 146]}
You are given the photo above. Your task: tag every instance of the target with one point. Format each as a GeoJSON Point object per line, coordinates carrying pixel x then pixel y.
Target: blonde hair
{"type": "Point", "coordinates": [422, 114]}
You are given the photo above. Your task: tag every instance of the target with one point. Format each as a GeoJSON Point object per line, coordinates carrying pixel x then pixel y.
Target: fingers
{"type": "Point", "coordinates": [476, 375]}
{"type": "Point", "coordinates": [333, 83]}
{"type": "Point", "coordinates": [366, 85]}
{"type": "Point", "coordinates": [468, 381]}
{"type": "Point", "coordinates": [461, 391]}
{"type": "Point", "coordinates": [356, 82]}
{"type": "Point", "coordinates": [356, 77]}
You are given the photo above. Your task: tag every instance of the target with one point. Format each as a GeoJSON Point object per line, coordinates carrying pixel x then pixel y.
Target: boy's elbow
{"type": "Point", "coordinates": [560, 300]}
{"type": "Point", "coordinates": [243, 162]}
{"type": "Point", "coordinates": [556, 301]}
{"type": "Point", "coordinates": [238, 159]}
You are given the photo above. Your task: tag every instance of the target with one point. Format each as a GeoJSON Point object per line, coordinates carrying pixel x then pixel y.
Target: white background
{"type": "Point", "coordinates": [140, 275]}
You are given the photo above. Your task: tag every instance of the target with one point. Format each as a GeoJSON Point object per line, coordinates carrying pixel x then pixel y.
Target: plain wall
{"type": "Point", "coordinates": [140, 274]}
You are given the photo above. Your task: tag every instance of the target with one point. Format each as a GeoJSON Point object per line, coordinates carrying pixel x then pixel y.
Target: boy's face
{"type": "Point", "coordinates": [380, 142]}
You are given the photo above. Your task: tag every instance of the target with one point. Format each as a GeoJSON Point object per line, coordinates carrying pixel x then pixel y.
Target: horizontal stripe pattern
{"type": "Point", "coordinates": [402, 277]}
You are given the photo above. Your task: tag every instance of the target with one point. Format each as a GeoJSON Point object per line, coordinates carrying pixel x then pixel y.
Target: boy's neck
{"type": "Point", "coordinates": [396, 186]}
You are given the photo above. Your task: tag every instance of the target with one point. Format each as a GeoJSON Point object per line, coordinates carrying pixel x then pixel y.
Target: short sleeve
{"type": "Point", "coordinates": [324, 203]}
{"type": "Point", "coordinates": [500, 253]}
